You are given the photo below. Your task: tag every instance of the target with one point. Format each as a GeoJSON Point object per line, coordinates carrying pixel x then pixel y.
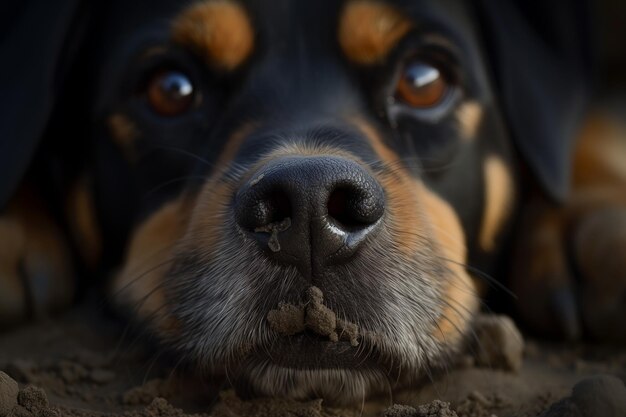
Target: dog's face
{"type": "Point", "coordinates": [267, 148]}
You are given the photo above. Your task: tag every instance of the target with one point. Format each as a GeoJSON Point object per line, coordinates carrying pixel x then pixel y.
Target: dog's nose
{"type": "Point", "coordinates": [310, 211]}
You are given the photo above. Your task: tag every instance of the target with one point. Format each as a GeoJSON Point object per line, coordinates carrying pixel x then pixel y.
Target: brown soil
{"type": "Point", "coordinates": [313, 315]}
{"type": "Point", "coordinates": [88, 366]}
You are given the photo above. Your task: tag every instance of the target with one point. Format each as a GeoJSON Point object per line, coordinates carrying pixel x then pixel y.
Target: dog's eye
{"type": "Point", "coordinates": [170, 93]}
{"type": "Point", "coordinates": [421, 85]}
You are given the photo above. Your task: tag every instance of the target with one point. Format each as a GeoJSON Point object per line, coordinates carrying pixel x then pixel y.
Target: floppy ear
{"type": "Point", "coordinates": [540, 56]}
{"type": "Point", "coordinates": [38, 41]}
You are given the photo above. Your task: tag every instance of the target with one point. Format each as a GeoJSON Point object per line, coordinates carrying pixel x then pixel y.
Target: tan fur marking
{"type": "Point", "coordinates": [148, 258]}
{"type": "Point", "coordinates": [417, 213]}
{"type": "Point", "coordinates": [469, 115]}
{"type": "Point", "coordinates": [207, 217]}
{"type": "Point", "coordinates": [12, 292]}
{"type": "Point", "coordinates": [498, 200]}
{"type": "Point", "coordinates": [42, 250]}
{"type": "Point", "coordinates": [460, 297]}
{"type": "Point", "coordinates": [153, 51]}
{"type": "Point", "coordinates": [402, 203]}
{"type": "Point", "coordinates": [81, 217]}
{"type": "Point", "coordinates": [124, 134]}
{"type": "Point", "coordinates": [218, 30]}
{"type": "Point", "coordinates": [599, 156]}
{"type": "Point", "coordinates": [368, 30]}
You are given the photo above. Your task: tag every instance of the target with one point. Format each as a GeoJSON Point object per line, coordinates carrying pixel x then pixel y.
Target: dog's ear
{"type": "Point", "coordinates": [540, 56]}
{"type": "Point", "coordinates": [38, 41]}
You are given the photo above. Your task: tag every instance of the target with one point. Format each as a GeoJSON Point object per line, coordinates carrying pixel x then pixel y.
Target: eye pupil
{"type": "Point", "coordinates": [170, 93]}
{"type": "Point", "coordinates": [421, 85]}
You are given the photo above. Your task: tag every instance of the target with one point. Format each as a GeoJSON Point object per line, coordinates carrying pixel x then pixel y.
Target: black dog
{"type": "Point", "coordinates": [336, 167]}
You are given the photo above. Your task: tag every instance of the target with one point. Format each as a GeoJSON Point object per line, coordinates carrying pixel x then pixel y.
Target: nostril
{"type": "Point", "coordinates": [338, 207]}
{"type": "Point", "coordinates": [280, 207]}
{"type": "Point", "coordinates": [260, 210]}
{"type": "Point", "coordinates": [354, 207]}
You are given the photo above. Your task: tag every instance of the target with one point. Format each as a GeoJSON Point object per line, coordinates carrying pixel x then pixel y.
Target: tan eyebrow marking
{"type": "Point", "coordinates": [220, 31]}
{"type": "Point", "coordinates": [368, 30]}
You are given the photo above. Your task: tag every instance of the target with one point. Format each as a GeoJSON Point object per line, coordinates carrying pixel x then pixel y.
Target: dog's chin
{"type": "Point", "coordinates": [307, 367]}
{"type": "Point", "coordinates": [335, 385]}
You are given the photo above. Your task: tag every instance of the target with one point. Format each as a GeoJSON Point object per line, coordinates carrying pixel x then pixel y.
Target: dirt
{"type": "Point", "coordinates": [274, 229]}
{"type": "Point", "coordinates": [434, 409]}
{"type": "Point", "coordinates": [88, 365]}
{"type": "Point", "coordinates": [600, 395]}
{"type": "Point", "coordinates": [8, 393]}
{"type": "Point", "coordinates": [288, 319]}
{"type": "Point", "coordinates": [498, 344]}
{"type": "Point", "coordinates": [313, 315]}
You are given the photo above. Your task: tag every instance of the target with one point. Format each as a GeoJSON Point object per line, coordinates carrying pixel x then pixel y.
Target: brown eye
{"type": "Point", "coordinates": [170, 93]}
{"type": "Point", "coordinates": [421, 85]}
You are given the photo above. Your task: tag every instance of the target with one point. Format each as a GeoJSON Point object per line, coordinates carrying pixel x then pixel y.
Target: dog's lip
{"type": "Point", "coordinates": [309, 351]}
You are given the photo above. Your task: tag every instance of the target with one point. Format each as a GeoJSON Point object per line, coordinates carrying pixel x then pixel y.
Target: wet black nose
{"type": "Point", "coordinates": [310, 211]}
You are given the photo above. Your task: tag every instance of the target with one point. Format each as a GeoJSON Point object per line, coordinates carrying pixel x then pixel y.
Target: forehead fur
{"type": "Point", "coordinates": [218, 30]}
{"type": "Point", "coordinates": [368, 30]}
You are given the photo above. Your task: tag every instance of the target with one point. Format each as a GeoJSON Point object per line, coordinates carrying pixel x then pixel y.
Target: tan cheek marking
{"type": "Point", "coordinates": [498, 200]}
{"type": "Point", "coordinates": [148, 258]}
{"type": "Point", "coordinates": [124, 133]}
{"type": "Point", "coordinates": [460, 297]}
{"type": "Point", "coordinates": [406, 223]}
{"type": "Point", "coordinates": [402, 199]}
{"type": "Point", "coordinates": [207, 216]}
{"type": "Point", "coordinates": [218, 30]}
{"type": "Point", "coordinates": [82, 220]}
{"type": "Point", "coordinates": [423, 214]}
{"type": "Point", "coordinates": [470, 116]}
{"type": "Point", "coordinates": [368, 30]}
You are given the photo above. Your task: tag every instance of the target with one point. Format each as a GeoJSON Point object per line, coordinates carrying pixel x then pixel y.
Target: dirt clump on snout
{"type": "Point", "coordinates": [289, 319]}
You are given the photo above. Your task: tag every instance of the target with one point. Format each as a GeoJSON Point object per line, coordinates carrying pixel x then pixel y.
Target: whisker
{"type": "Point", "coordinates": [173, 181]}
{"type": "Point", "coordinates": [493, 282]}
{"type": "Point", "coordinates": [185, 152]}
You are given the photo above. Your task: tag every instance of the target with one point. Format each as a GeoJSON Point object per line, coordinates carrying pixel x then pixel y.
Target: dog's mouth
{"type": "Point", "coordinates": [310, 335]}
{"type": "Point", "coordinates": [308, 351]}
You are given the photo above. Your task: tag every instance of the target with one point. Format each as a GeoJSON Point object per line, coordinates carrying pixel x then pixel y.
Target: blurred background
{"type": "Point", "coordinates": [610, 17]}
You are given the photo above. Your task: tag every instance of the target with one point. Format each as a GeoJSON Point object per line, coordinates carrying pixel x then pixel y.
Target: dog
{"type": "Point", "coordinates": [224, 163]}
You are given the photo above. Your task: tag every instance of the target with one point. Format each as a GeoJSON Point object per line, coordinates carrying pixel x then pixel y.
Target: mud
{"type": "Point", "coordinates": [313, 315]}
{"type": "Point", "coordinates": [91, 366]}
{"type": "Point", "coordinates": [288, 319]}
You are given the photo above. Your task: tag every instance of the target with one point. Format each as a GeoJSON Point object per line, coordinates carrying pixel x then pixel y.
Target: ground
{"type": "Point", "coordinates": [89, 365]}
